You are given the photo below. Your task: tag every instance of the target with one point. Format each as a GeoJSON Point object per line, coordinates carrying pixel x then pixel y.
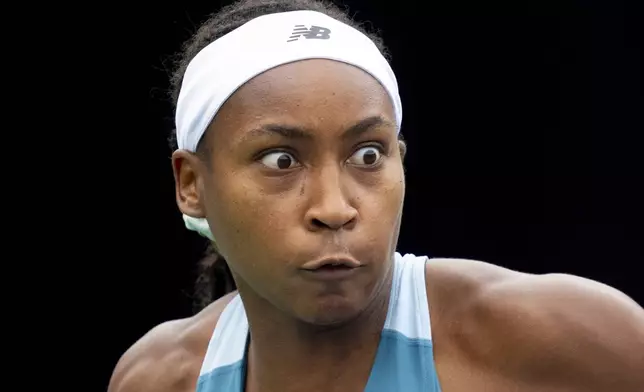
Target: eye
{"type": "Point", "coordinates": [279, 160]}
{"type": "Point", "coordinates": [366, 156]}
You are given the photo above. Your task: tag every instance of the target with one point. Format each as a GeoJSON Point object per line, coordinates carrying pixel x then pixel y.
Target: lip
{"type": "Point", "coordinates": [317, 270]}
{"type": "Point", "coordinates": [349, 263]}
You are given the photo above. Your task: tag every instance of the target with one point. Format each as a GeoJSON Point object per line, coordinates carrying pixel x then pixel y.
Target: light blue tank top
{"type": "Point", "coordinates": [404, 360]}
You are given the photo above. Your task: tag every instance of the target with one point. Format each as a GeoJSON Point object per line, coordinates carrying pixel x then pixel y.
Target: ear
{"type": "Point", "coordinates": [402, 146]}
{"type": "Point", "coordinates": [187, 169]}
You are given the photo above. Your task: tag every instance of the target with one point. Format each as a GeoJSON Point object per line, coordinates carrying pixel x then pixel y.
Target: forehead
{"type": "Point", "coordinates": [310, 93]}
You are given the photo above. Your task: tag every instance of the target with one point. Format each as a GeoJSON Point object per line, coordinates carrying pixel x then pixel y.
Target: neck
{"type": "Point", "coordinates": [312, 358]}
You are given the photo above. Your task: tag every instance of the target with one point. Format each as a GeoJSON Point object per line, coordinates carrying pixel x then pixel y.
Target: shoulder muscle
{"type": "Point", "coordinates": [168, 358]}
{"type": "Point", "coordinates": [563, 330]}
{"type": "Point", "coordinates": [147, 365]}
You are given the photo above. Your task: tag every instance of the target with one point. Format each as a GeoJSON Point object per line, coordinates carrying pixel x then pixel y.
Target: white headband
{"type": "Point", "coordinates": [266, 42]}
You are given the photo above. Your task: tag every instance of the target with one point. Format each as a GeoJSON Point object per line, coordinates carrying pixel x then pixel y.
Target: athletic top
{"type": "Point", "coordinates": [404, 360]}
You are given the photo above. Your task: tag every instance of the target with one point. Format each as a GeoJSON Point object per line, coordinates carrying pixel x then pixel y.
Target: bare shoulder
{"type": "Point", "coordinates": [553, 329]}
{"type": "Point", "coordinates": [467, 278]}
{"type": "Point", "coordinates": [168, 358]}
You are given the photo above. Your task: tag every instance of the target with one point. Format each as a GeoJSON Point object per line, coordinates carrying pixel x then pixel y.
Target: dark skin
{"type": "Point", "coordinates": [329, 182]}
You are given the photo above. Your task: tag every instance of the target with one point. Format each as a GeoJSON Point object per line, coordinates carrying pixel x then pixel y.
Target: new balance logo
{"type": "Point", "coordinates": [315, 32]}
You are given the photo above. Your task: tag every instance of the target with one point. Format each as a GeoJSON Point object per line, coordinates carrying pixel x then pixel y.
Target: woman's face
{"type": "Point", "coordinates": [303, 165]}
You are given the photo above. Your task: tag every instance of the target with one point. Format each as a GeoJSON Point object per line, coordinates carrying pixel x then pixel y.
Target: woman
{"type": "Point", "coordinates": [289, 159]}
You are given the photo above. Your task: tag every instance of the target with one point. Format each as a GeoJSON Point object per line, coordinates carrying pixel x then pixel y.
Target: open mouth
{"type": "Point", "coordinates": [333, 267]}
{"type": "Point", "coordinates": [332, 264]}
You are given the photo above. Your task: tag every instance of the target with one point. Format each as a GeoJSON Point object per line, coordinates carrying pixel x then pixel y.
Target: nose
{"type": "Point", "coordinates": [330, 203]}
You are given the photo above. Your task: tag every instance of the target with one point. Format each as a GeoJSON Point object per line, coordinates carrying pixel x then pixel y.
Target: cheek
{"type": "Point", "coordinates": [387, 185]}
{"type": "Point", "coordinates": [247, 219]}
{"type": "Point", "coordinates": [381, 201]}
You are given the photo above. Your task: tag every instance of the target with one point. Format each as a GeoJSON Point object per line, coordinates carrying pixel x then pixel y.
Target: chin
{"type": "Point", "coordinates": [331, 311]}
{"type": "Point", "coordinates": [335, 305]}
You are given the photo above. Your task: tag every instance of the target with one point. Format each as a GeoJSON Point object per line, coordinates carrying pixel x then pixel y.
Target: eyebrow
{"type": "Point", "coordinates": [294, 132]}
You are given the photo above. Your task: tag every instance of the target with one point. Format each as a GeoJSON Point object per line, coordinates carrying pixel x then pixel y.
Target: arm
{"type": "Point", "coordinates": [565, 332]}
{"type": "Point", "coordinates": [169, 357]}
{"type": "Point", "coordinates": [155, 363]}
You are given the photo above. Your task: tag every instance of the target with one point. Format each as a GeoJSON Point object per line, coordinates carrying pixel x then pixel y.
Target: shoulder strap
{"type": "Point", "coordinates": [228, 343]}
{"type": "Point", "coordinates": [408, 308]}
